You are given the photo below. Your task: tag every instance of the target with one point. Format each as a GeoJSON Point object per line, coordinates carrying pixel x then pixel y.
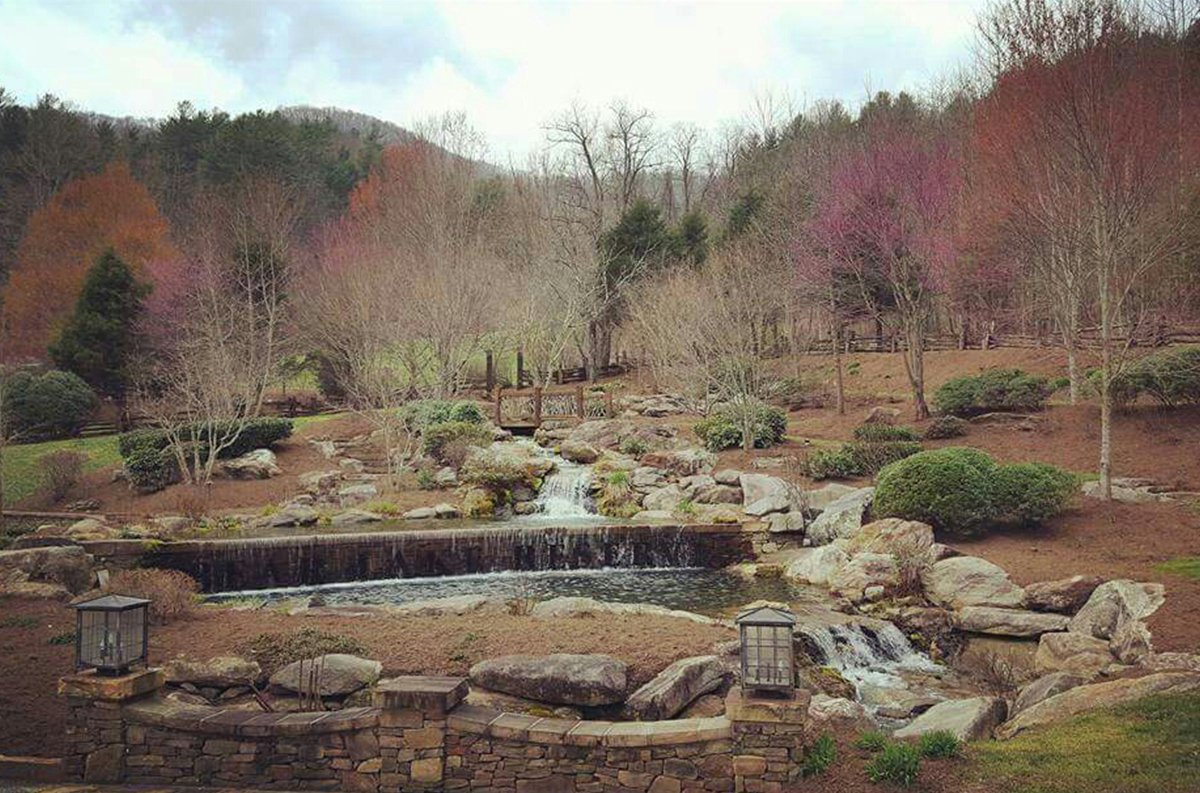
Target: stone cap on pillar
{"type": "Point", "coordinates": [89, 685]}
{"type": "Point", "coordinates": [763, 708]}
{"type": "Point", "coordinates": [420, 692]}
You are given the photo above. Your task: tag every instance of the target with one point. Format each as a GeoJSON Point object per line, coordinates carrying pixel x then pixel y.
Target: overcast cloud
{"type": "Point", "coordinates": [509, 65]}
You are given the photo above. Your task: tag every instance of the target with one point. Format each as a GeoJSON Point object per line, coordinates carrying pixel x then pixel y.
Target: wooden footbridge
{"type": "Point", "coordinates": [525, 409]}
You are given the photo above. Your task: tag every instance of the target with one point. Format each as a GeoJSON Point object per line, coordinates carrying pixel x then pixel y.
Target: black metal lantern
{"type": "Point", "coordinates": [111, 633]}
{"type": "Point", "coordinates": [768, 655]}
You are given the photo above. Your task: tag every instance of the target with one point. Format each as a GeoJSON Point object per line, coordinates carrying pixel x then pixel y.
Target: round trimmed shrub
{"type": "Point", "coordinates": [950, 489]}
{"type": "Point", "coordinates": [1029, 493]}
{"type": "Point", "coordinates": [46, 405]}
{"type": "Point", "coordinates": [723, 430]}
{"type": "Point", "coordinates": [992, 390]}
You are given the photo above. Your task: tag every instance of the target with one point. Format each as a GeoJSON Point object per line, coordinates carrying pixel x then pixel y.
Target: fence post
{"type": "Point", "coordinates": [608, 403]}
{"type": "Point", "coordinates": [520, 368]}
{"type": "Point", "coordinates": [579, 403]}
{"type": "Point", "coordinates": [498, 390]}
{"type": "Point", "coordinates": [490, 367]}
{"type": "Point", "coordinates": [537, 405]}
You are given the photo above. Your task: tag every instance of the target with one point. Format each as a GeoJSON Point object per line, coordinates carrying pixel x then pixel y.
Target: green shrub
{"type": "Point", "coordinates": [497, 473]}
{"type": "Point", "coordinates": [723, 430]}
{"type": "Point", "coordinates": [634, 447]}
{"type": "Point", "coordinates": [898, 763]}
{"type": "Point", "coordinates": [468, 412]}
{"type": "Point", "coordinates": [422, 413]}
{"type": "Point", "coordinates": [1170, 377]}
{"type": "Point", "coordinates": [858, 459]}
{"type": "Point", "coordinates": [939, 744]}
{"type": "Point", "coordinates": [992, 390]}
{"type": "Point", "coordinates": [946, 427]}
{"type": "Point", "coordinates": [871, 741]}
{"type": "Point", "coordinates": [449, 440]}
{"type": "Point", "coordinates": [150, 466]}
{"type": "Point", "coordinates": [881, 433]}
{"type": "Point", "coordinates": [140, 440]}
{"type": "Point", "coordinates": [820, 756]}
{"type": "Point", "coordinates": [46, 405]}
{"type": "Point", "coordinates": [832, 464]}
{"type": "Point", "coordinates": [276, 650]}
{"type": "Point", "coordinates": [150, 470]}
{"type": "Point", "coordinates": [1058, 384]}
{"type": "Point", "coordinates": [1029, 493]}
{"type": "Point", "coordinates": [950, 489]}
{"type": "Point", "coordinates": [963, 491]}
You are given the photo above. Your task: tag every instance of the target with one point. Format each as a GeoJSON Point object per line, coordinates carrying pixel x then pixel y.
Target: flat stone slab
{"type": "Point", "coordinates": [560, 678]}
{"type": "Point", "coordinates": [1009, 622]}
{"type": "Point", "coordinates": [967, 719]}
{"type": "Point", "coordinates": [420, 692]}
{"type": "Point", "coordinates": [89, 685]}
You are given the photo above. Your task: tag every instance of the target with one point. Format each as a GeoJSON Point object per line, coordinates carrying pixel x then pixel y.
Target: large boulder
{"type": "Point", "coordinates": [1045, 687]}
{"type": "Point", "coordinates": [970, 581]}
{"type": "Point", "coordinates": [665, 499]}
{"type": "Point", "coordinates": [768, 505]}
{"type": "Point", "coordinates": [1076, 653]}
{"type": "Point", "coordinates": [674, 688]}
{"type": "Point", "coordinates": [839, 714]}
{"type": "Point", "coordinates": [756, 487]}
{"type": "Point", "coordinates": [717, 494]}
{"type": "Point", "coordinates": [817, 565]}
{"type": "Point", "coordinates": [901, 538]}
{"type": "Point", "coordinates": [688, 461]}
{"type": "Point", "coordinates": [355, 517]}
{"type": "Point", "coordinates": [256, 464]}
{"type": "Point", "coordinates": [646, 478]}
{"type": "Point", "coordinates": [1114, 603]}
{"type": "Point", "coordinates": [966, 719]}
{"type": "Point", "coordinates": [842, 518]}
{"type": "Point", "coordinates": [54, 571]}
{"type": "Point", "coordinates": [222, 671]}
{"type": "Point", "coordinates": [579, 452]}
{"type": "Point", "coordinates": [787, 522]}
{"type": "Point", "coordinates": [1081, 699]}
{"type": "Point", "coordinates": [1065, 595]}
{"type": "Point", "coordinates": [338, 674]}
{"type": "Point", "coordinates": [817, 500]}
{"type": "Point", "coordinates": [294, 515]}
{"type": "Point", "coordinates": [1009, 622]}
{"type": "Point", "coordinates": [318, 482]}
{"type": "Point", "coordinates": [562, 679]}
{"type": "Point", "coordinates": [359, 493]}
{"type": "Point", "coordinates": [864, 571]}
{"type": "Point", "coordinates": [1131, 642]}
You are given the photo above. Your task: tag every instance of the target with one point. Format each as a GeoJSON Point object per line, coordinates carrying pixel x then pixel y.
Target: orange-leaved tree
{"type": "Point", "coordinates": [108, 210]}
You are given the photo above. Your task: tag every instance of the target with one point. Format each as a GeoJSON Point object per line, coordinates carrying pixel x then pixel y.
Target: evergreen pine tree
{"type": "Point", "coordinates": [96, 341]}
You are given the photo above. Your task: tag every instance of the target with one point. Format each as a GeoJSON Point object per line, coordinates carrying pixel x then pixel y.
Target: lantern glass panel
{"type": "Point", "coordinates": [111, 639]}
{"type": "Point", "coordinates": [767, 651]}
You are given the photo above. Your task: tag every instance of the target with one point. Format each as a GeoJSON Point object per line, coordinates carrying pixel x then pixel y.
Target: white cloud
{"type": "Point", "coordinates": [510, 65]}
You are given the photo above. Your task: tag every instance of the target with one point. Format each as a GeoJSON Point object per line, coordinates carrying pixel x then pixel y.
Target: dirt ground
{"type": "Point", "coordinates": [31, 666]}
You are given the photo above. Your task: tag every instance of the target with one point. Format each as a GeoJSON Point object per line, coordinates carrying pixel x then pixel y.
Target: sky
{"type": "Point", "coordinates": [510, 66]}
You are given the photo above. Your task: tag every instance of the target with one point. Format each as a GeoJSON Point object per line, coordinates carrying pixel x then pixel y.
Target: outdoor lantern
{"type": "Point", "coordinates": [110, 633]}
{"type": "Point", "coordinates": [768, 657]}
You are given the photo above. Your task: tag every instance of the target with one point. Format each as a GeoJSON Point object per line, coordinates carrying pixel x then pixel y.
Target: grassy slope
{"type": "Point", "coordinates": [22, 472]}
{"type": "Point", "coordinates": [1149, 746]}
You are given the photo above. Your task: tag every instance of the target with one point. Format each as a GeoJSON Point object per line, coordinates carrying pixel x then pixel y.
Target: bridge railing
{"type": "Point", "coordinates": [531, 406]}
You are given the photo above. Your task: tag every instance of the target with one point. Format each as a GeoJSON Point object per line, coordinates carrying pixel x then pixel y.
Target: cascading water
{"type": "Point", "coordinates": [566, 493]}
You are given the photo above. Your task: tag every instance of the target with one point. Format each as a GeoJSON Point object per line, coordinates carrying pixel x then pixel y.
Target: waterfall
{"type": "Point", "coordinates": [566, 492]}
{"type": "Point", "coordinates": [865, 655]}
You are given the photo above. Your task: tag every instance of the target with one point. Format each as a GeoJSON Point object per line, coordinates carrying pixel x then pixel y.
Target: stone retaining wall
{"type": "Point", "coordinates": [419, 737]}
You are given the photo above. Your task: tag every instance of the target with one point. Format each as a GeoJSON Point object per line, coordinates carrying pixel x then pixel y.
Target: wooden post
{"type": "Point", "coordinates": [580, 407]}
{"type": "Point", "coordinates": [537, 405]}
{"type": "Point", "coordinates": [498, 390]}
{"type": "Point", "coordinates": [608, 403]}
{"type": "Point", "coordinates": [520, 368]}
{"type": "Point", "coordinates": [490, 367]}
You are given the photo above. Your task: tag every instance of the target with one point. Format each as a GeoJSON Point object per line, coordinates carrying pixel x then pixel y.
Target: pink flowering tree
{"type": "Point", "coordinates": [884, 229]}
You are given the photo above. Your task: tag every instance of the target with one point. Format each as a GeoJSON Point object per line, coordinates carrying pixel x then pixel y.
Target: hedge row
{"type": "Point", "coordinates": [993, 390]}
{"type": "Point", "coordinates": [422, 413]}
{"type": "Point", "coordinates": [1170, 377]}
{"type": "Point", "coordinates": [45, 405]}
{"type": "Point", "coordinates": [151, 466]}
{"type": "Point", "coordinates": [964, 491]}
{"type": "Point", "coordinates": [858, 458]}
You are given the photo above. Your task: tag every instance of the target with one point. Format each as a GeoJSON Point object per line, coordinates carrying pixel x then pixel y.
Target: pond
{"type": "Point", "coordinates": [705, 591]}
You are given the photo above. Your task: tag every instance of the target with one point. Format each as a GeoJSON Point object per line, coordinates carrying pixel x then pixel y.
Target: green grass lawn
{"type": "Point", "coordinates": [22, 472]}
{"type": "Point", "coordinates": [1149, 746]}
{"type": "Point", "coordinates": [1187, 566]}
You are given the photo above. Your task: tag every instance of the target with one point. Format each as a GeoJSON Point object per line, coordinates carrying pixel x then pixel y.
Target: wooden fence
{"type": "Point", "coordinates": [529, 407]}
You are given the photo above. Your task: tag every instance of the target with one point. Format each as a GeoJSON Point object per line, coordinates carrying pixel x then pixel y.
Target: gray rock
{"type": "Point", "coordinates": [1045, 687]}
{"type": "Point", "coordinates": [420, 513]}
{"type": "Point", "coordinates": [171, 523]}
{"type": "Point", "coordinates": [756, 487]}
{"type": "Point", "coordinates": [818, 565]}
{"type": "Point", "coordinates": [882, 415]}
{"type": "Point", "coordinates": [563, 679]}
{"type": "Point", "coordinates": [787, 522]}
{"type": "Point", "coordinates": [1009, 622]}
{"type": "Point", "coordinates": [674, 688]}
{"type": "Point", "coordinates": [352, 465]}
{"type": "Point", "coordinates": [257, 464]}
{"type": "Point", "coordinates": [664, 499]}
{"type": "Point", "coordinates": [691, 484]}
{"type": "Point", "coordinates": [728, 476]}
{"type": "Point", "coordinates": [654, 514]}
{"type": "Point", "coordinates": [839, 714]}
{"type": "Point", "coordinates": [966, 719]}
{"type": "Point", "coordinates": [59, 570]}
{"type": "Point", "coordinates": [317, 482]}
{"type": "Point", "coordinates": [89, 529]}
{"type": "Point", "coordinates": [355, 517]}
{"type": "Point", "coordinates": [767, 504]}
{"type": "Point", "coordinates": [717, 494]}
{"type": "Point", "coordinates": [1082, 699]}
{"type": "Point", "coordinates": [646, 478]}
{"type": "Point", "coordinates": [1126, 492]}
{"type": "Point", "coordinates": [444, 510]}
{"type": "Point", "coordinates": [817, 500]}
{"type": "Point", "coordinates": [842, 518]}
{"type": "Point", "coordinates": [357, 494]}
{"type": "Point", "coordinates": [338, 674]}
{"type": "Point", "coordinates": [1114, 603]}
{"type": "Point", "coordinates": [864, 571]}
{"type": "Point", "coordinates": [294, 515]}
{"type": "Point", "coordinates": [1076, 653]}
{"type": "Point", "coordinates": [900, 538]}
{"type": "Point", "coordinates": [222, 671]}
{"type": "Point", "coordinates": [445, 477]}
{"type": "Point", "coordinates": [579, 452]}
{"type": "Point", "coordinates": [1131, 642]}
{"type": "Point", "coordinates": [327, 449]}
{"type": "Point", "coordinates": [682, 462]}
{"type": "Point", "coordinates": [970, 581]}
{"type": "Point", "coordinates": [1065, 595]}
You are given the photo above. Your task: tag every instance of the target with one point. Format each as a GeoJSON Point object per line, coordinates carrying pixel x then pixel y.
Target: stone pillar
{"type": "Point", "coordinates": [769, 736]}
{"type": "Point", "coordinates": [95, 726]}
{"type": "Point", "coordinates": [412, 730]}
